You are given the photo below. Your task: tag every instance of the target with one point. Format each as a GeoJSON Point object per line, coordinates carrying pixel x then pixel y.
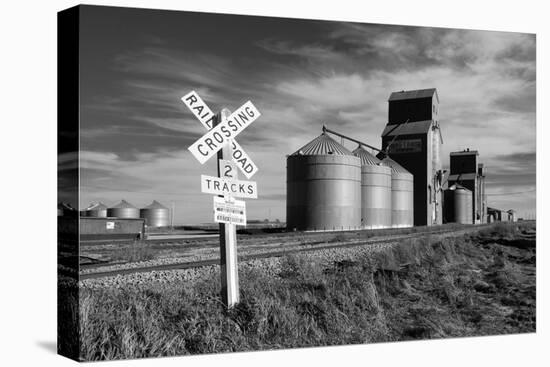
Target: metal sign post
{"type": "Point", "coordinates": [228, 235]}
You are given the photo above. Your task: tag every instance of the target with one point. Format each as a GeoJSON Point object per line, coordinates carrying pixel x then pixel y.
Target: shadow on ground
{"type": "Point", "coordinates": [48, 345]}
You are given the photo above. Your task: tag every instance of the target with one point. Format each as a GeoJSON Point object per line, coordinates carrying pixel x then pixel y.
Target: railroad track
{"type": "Point", "coordinates": [244, 234]}
{"type": "Point", "coordinates": [309, 246]}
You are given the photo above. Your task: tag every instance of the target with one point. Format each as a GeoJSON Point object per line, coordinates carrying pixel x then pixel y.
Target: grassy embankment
{"type": "Point", "coordinates": [482, 284]}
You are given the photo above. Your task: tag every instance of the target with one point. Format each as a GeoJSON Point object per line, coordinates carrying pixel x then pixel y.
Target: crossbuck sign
{"type": "Point", "coordinates": [210, 143]}
{"type": "Point", "coordinates": [222, 130]}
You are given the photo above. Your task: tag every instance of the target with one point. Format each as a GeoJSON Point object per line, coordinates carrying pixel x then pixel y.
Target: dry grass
{"type": "Point", "coordinates": [138, 251]}
{"type": "Point", "coordinates": [417, 290]}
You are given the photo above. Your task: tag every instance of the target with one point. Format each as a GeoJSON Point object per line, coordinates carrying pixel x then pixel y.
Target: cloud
{"type": "Point", "coordinates": [519, 159]}
{"type": "Point", "coordinates": [285, 47]}
{"type": "Point", "coordinates": [516, 170]}
{"type": "Point", "coordinates": [135, 130]}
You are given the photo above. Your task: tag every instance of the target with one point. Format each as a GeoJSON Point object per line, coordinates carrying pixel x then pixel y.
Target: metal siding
{"type": "Point", "coordinates": [463, 163]}
{"type": "Point", "coordinates": [323, 192]}
{"type": "Point", "coordinates": [130, 228]}
{"type": "Point", "coordinates": [412, 109]}
{"type": "Point", "coordinates": [97, 210]}
{"type": "Point", "coordinates": [402, 194]}
{"type": "Point", "coordinates": [155, 217]}
{"type": "Point", "coordinates": [409, 128]}
{"type": "Point", "coordinates": [470, 185]}
{"type": "Point", "coordinates": [123, 212]}
{"type": "Point", "coordinates": [402, 200]}
{"type": "Point", "coordinates": [98, 213]}
{"type": "Point", "coordinates": [458, 206]}
{"type": "Point", "coordinates": [376, 195]}
{"type": "Point", "coordinates": [416, 165]}
{"type": "Point", "coordinates": [414, 94]}
{"type": "Point", "coordinates": [375, 191]}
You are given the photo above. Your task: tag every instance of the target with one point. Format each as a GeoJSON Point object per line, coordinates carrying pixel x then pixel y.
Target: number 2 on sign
{"type": "Point", "coordinates": [228, 169]}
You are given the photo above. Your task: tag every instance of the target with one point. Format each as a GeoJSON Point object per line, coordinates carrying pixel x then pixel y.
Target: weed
{"type": "Point", "coordinates": [137, 251]}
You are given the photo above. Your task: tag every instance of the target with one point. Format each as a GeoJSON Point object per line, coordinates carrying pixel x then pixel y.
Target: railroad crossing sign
{"type": "Point", "coordinates": [210, 143]}
{"type": "Point", "coordinates": [229, 212]}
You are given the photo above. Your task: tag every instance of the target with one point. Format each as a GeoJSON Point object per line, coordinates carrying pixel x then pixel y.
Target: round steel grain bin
{"type": "Point", "coordinates": [123, 210]}
{"type": "Point", "coordinates": [376, 207]}
{"type": "Point", "coordinates": [402, 194]}
{"type": "Point", "coordinates": [323, 187]}
{"type": "Point", "coordinates": [97, 210]}
{"type": "Point", "coordinates": [155, 215]}
{"type": "Point", "coordinates": [458, 205]}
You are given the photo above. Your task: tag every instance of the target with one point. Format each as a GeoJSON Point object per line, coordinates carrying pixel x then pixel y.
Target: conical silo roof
{"type": "Point", "coordinates": [155, 205]}
{"type": "Point", "coordinates": [123, 205]}
{"type": "Point", "coordinates": [367, 159]}
{"type": "Point", "coordinates": [322, 145]}
{"type": "Point", "coordinates": [395, 167]}
{"type": "Point", "coordinates": [457, 187]}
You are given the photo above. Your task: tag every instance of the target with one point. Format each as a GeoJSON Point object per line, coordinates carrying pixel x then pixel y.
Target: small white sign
{"type": "Point", "coordinates": [243, 161]}
{"type": "Point", "coordinates": [209, 144]}
{"type": "Point", "coordinates": [223, 186]}
{"type": "Point", "coordinates": [199, 109]}
{"type": "Point", "coordinates": [109, 225]}
{"type": "Point", "coordinates": [228, 169]}
{"type": "Point", "coordinates": [233, 212]}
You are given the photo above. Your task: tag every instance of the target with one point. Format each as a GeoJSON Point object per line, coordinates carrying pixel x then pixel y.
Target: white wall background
{"type": "Point", "coordinates": [28, 180]}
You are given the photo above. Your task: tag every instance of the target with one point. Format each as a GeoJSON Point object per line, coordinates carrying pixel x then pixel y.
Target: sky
{"type": "Point", "coordinates": [300, 74]}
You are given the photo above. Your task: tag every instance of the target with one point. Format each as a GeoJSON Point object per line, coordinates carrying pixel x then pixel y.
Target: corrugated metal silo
{"type": "Point", "coordinates": [123, 210]}
{"type": "Point", "coordinates": [97, 210]}
{"type": "Point", "coordinates": [402, 194]}
{"type": "Point", "coordinates": [155, 215]}
{"type": "Point", "coordinates": [376, 209]}
{"type": "Point", "coordinates": [323, 187]}
{"type": "Point", "coordinates": [458, 205]}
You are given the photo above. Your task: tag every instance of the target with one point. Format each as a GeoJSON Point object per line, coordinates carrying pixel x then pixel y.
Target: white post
{"type": "Point", "coordinates": [228, 238]}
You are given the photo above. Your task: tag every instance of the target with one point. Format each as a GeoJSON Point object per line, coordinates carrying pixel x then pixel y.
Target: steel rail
{"type": "Point", "coordinates": [294, 249]}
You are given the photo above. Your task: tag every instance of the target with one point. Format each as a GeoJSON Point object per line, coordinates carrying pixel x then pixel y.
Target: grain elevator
{"type": "Point", "coordinates": [468, 172]}
{"type": "Point", "coordinates": [412, 138]}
